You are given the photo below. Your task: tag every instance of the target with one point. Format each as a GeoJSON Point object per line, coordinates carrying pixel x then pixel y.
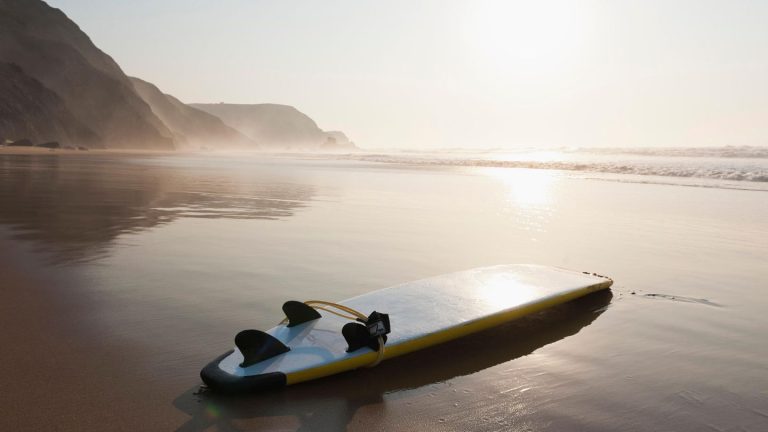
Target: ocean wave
{"type": "Point", "coordinates": [759, 152]}
{"type": "Point", "coordinates": [727, 152]}
{"type": "Point", "coordinates": [751, 174]}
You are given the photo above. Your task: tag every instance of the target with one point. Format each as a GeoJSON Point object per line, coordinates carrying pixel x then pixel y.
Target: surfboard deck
{"type": "Point", "coordinates": [422, 314]}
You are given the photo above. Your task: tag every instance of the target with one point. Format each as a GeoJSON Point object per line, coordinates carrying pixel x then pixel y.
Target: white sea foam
{"type": "Point", "coordinates": [733, 164]}
{"type": "Point", "coordinates": [709, 152]}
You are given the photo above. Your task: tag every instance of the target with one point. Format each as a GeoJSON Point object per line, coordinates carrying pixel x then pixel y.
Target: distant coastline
{"type": "Point", "coordinates": [90, 102]}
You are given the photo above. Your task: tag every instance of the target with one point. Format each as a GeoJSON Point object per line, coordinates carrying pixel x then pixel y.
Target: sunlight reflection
{"type": "Point", "coordinates": [502, 291]}
{"type": "Point", "coordinates": [527, 187]}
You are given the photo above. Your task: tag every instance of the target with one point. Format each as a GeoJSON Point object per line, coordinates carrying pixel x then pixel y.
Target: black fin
{"type": "Point", "coordinates": [357, 336]}
{"type": "Point", "coordinates": [256, 346]}
{"type": "Point", "coordinates": [299, 313]}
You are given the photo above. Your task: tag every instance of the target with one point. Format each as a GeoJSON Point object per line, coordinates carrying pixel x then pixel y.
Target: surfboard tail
{"type": "Point", "coordinates": [222, 382]}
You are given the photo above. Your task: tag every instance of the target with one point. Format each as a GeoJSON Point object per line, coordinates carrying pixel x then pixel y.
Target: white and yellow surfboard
{"type": "Point", "coordinates": [421, 313]}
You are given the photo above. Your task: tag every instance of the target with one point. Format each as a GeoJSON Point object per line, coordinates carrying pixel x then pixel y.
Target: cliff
{"type": "Point", "coordinates": [49, 48]}
{"type": "Point", "coordinates": [190, 126]}
{"type": "Point", "coordinates": [277, 127]}
{"type": "Point", "coordinates": [29, 110]}
{"type": "Point", "coordinates": [56, 85]}
{"type": "Point", "coordinates": [338, 140]}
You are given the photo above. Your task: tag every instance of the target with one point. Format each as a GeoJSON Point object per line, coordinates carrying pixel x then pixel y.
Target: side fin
{"type": "Point", "coordinates": [299, 313]}
{"type": "Point", "coordinates": [255, 345]}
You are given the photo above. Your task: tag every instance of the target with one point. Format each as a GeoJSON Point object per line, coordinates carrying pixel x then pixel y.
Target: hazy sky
{"type": "Point", "coordinates": [461, 73]}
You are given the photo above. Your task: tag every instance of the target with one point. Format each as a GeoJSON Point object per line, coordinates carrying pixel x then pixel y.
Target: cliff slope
{"type": "Point", "coordinates": [278, 127]}
{"type": "Point", "coordinates": [190, 126]}
{"type": "Point", "coordinates": [30, 110]}
{"type": "Point", "coordinates": [52, 49]}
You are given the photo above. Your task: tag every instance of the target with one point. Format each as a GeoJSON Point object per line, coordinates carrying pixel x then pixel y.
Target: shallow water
{"type": "Point", "coordinates": [125, 274]}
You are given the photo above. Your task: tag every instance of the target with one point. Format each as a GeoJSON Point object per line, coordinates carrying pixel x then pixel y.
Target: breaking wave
{"type": "Point", "coordinates": [757, 152]}
{"type": "Point", "coordinates": [735, 164]}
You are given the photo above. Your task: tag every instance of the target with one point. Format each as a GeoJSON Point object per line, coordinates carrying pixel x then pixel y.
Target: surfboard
{"type": "Point", "coordinates": [420, 314]}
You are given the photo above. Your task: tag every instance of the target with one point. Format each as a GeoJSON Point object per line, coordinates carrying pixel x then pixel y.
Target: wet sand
{"type": "Point", "coordinates": [83, 382]}
{"type": "Point", "coordinates": [59, 371]}
{"type": "Point", "coordinates": [122, 275]}
{"type": "Point", "coordinates": [41, 151]}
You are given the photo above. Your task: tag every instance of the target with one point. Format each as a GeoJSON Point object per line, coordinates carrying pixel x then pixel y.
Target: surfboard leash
{"type": "Point", "coordinates": [374, 327]}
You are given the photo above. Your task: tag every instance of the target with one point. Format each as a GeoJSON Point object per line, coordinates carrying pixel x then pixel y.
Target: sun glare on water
{"type": "Point", "coordinates": [527, 188]}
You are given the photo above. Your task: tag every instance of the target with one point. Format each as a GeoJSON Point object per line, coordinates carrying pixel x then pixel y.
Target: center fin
{"type": "Point", "coordinates": [299, 313]}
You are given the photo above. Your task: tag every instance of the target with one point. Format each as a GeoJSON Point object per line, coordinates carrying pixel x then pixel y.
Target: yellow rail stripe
{"type": "Point", "coordinates": [446, 335]}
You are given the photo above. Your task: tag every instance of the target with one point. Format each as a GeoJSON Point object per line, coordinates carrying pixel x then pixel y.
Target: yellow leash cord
{"type": "Point", "coordinates": [354, 315]}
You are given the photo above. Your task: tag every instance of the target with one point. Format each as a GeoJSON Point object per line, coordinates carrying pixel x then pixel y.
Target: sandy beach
{"type": "Point", "coordinates": [33, 151]}
{"type": "Point", "coordinates": [586, 182]}
{"type": "Point", "coordinates": [124, 273]}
